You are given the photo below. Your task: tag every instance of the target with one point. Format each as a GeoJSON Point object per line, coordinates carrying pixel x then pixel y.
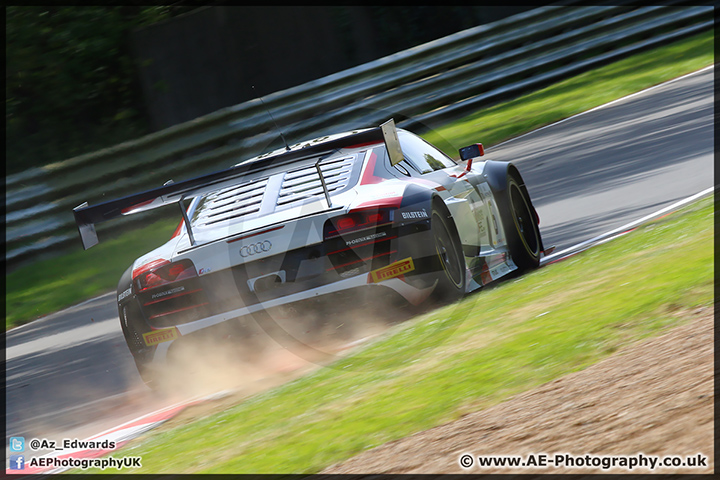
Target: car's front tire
{"type": "Point", "coordinates": [522, 231]}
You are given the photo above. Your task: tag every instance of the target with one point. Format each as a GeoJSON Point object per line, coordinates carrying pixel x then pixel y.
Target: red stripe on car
{"type": "Point", "coordinates": [178, 310]}
{"type": "Point", "coordinates": [178, 229]}
{"type": "Point", "coordinates": [137, 205]}
{"type": "Point", "coordinates": [149, 266]}
{"type": "Point", "coordinates": [361, 260]}
{"type": "Point", "coordinates": [256, 233]}
{"type": "Point", "coordinates": [376, 240]}
{"type": "Point", "coordinates": [162, 299]}
{"type": "Point", "coordinates": [369, 176]}
{"type": "Point", "coordinates": [359, 145]}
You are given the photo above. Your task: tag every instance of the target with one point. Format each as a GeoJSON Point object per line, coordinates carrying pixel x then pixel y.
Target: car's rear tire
{"type": "Point", "coordinates": [451, 274]}
{"type": "Point", "coordinates": [129, 315]}
{"type": "Point", "coordinates": [521, 228]}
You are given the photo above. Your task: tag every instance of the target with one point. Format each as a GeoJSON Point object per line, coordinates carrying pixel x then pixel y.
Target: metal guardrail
{"type": "Point", "coordinates": [419, 87]}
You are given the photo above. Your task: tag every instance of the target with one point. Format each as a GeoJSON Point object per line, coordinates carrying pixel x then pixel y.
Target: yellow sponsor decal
{"type": "Point", "coordinates": [393, 270]}
{"type": "Point", "coordinates": [160, 336]}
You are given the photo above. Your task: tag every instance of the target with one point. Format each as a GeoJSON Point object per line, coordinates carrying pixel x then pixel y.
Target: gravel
{"type": "Point", "coordinates": [654, 398]}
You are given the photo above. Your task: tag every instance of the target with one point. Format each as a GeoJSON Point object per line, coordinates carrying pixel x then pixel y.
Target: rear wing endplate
{"type": "Point", "coordinates": [88, 235]}
{"type": "Point", "coordinates": [392, 143]}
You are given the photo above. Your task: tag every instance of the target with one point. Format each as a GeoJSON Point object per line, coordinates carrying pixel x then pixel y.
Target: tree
{"type": "Point", "coordinates": [71, 84]}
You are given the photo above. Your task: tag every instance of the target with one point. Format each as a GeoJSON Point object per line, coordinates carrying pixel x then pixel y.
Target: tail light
{"type": "Point", "coordinates": [164, 274]}
{"type": "Point", "coordinates": [357, 220]}
{"type": "Point", "coordinates": [355, 254]}
{"type": "Point", "coordinates": [170, 293]}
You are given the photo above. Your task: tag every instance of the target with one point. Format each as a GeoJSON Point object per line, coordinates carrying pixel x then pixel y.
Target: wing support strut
{"type": "Point", "coordinates": [322, 180]}
{"type": "Point", "coordinates": [181, 202]}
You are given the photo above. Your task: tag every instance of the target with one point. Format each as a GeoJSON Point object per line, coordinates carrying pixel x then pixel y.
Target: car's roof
{"type": "Point", "coordinates": [315, 142]}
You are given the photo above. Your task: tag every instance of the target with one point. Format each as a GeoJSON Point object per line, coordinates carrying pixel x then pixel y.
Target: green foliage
{"type": "Point", "coordinates": [49, 285]}
{"type": "Point", "coordinates": [71, 84]}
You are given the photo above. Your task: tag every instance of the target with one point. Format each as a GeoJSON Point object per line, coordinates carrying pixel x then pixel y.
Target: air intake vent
{"type": "Point", "coordinates": [230, 203]}
{"type": "Point", "coordinates": [305, 183]}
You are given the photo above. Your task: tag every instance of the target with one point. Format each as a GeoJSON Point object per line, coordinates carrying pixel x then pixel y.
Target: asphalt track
{"type": "Point", "coordinates": [70, 374]}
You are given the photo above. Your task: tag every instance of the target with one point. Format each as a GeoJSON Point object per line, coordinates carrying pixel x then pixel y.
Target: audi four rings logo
{"type": "Point", "coordinates": [255, 248]}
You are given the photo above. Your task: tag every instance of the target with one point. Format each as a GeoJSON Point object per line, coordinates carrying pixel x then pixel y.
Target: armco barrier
{"type": "Point", "coordinates": [420, 87]}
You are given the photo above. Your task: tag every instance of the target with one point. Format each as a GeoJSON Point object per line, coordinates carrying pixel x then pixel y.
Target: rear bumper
{"type": "Point", "coordinates": [412, 294]}
{"type": "Point", "coordinates": [315, 272]}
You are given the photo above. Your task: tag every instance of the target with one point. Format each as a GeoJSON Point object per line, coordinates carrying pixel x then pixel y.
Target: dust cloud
{"type": "Point", "coordinates": [269, 347]}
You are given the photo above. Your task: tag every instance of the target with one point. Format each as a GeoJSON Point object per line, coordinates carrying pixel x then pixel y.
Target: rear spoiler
{"type": "Point", "coordinates": [87, 216]}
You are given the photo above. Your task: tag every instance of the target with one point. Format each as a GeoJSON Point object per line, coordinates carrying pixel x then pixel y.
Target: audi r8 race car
{"type": "Point", "coordinates": [377, 209]}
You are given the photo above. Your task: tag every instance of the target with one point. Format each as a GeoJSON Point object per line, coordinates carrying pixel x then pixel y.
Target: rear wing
{"type": "Point", "coordinates": [87, 216]}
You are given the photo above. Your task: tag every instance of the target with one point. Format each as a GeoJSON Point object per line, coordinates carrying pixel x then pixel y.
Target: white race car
{"type": "Point", "coordinates": [377, 209]}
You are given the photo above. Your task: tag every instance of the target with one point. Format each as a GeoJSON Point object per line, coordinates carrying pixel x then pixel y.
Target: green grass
{"type": "Point", "coordinates": [50, 285]}
{"type": "Point", "coordinates": [457, 359]}
{"type": "Point", "coordinates": [47, 286]}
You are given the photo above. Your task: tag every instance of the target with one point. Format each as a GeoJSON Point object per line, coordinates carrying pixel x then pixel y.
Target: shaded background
{"type": "Point", "coordinates": [79, 79]}
{"type": "Point", "coordinates": [211, 57]}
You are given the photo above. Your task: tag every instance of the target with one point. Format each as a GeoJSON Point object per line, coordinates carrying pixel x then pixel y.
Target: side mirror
{"type": "Point", "coordinates": [472, 151]}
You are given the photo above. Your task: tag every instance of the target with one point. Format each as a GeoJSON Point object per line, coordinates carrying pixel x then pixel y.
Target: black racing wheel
{"type": "Point", "coordinates": [451, 275]}
{"type": "Point", "coordinates": [521, 228]}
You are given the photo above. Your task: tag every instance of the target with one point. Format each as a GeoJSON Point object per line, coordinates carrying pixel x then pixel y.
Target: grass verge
{"type": "Point", "coordinates": [457, 359]}
{"type": "Point", "coordinates": [50, 285]}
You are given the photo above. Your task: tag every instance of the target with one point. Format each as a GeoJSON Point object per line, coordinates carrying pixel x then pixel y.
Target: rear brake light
{"type": "Point", "coordinates": [149, 266]}
{"type": "Point", "coordinates": [357, 220]}
{"type": "Point", "coordinates": [346, 223]}
{"type": "Point", "coordinates": [164, 274]}
{"type": "Point", "coordinates": [375, 218]}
